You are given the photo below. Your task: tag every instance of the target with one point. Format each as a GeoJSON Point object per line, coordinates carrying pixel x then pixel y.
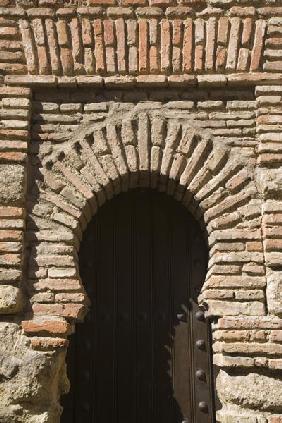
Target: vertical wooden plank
{"type": "Point", "coordinates": [125, 335]}
{"type": "Point", "coordinates": [105, 310]}
{"type": "Point", "coordinates": [83, 376]}
{"type": "Point", "coordinates": [143, 306]}
{"type": "Point", "coordinates": [163, 389]}
{"type": "Point", "coordinates": [180, 226]}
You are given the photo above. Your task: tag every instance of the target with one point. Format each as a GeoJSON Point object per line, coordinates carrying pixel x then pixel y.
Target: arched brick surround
{"type": "Point", "coordinates": [99, 97]}
{"type": "Point", "coordinates": [147, 148]}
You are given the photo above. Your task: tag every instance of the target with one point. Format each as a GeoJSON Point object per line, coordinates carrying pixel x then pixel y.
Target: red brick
{"type": "Point", "coordinates": [99, 45]}
{"type": "Point", "coordinates": [53, 46]}
{"type": "Point", "coordinates": [153, 30]}
{"type": "Point", "coordinates": [165, 45]}
{"type": "Point", "coordinates": [270, 11]}
{"type": "Point", "coordinates": [109, 37]}
{"type": "Point", "coordinates": [153, 57]}
{"type": "Point", "coordinates": [131, 32]}
{"type": "Point", "coordinates": [257, 51]}
{"type": "Point", "coordinates": [237, 180]}
{"type": "Point", "coordinates": [8, 32]}
{"type": "Point", "coordinates": [120, 35]}
{"type": "Point", "coordinates": [102, 2]}
{"type": "Point", "coordinates": [247, 32]}
{"type": "Point", "coordinates": [210, 43]}
{"type": "Point", "coordinates": [11, 212]}
{"type": "Point", "coordinates": [177, 32]}
{"type": "Point", "coordinates": [48, 343]}
{"type": "Point", "coordinates": [176, 59]}
{"type": "Point", "coordinates": [66, 60]}
{"type": "Point", "coordinates": [86, 32]}
{"type": "Point", "coordinates": [188, 45]}
{"type": "Point", "coordinates": [54, 327]}
{"type": "Point", "coordinates": [42, 60]}
{"type": "Point", "coordinates": [273, 244]}
{"type": "Point", "coordinates": [13, 134]}
{"type": "Point", "coordinates": [10, 259]}
{"type": "Point", "coordinates": [232, 51]}
{"type": "Point", "coordinates": [59, 202]}
{"type": "Point", "coordinates": [199, 58]}
{"type": "Point", "coordinates": [160, 2]}
{"type": "Point", "coordinates": [11, 235]}
{"type": "Point", "coordinates": [221, 55]}
{"type": "Point", "coordinates": [15, 92]}
{"type": "Point", "coordinates": [76, 43]}
{"type": "Point", "coordinates": [58, 285]}
{"type": "Point", "coordinates": [273, 42]}
{"type": "Point", "coordinates": [62, 32]}
{"type": "Point", "coordinates": [242, 11]}
{"type": "Point", "coordinates": [223, 30]}
{"type": "Point", "coordinates": [133, 2]}
{"type": "Point", "coordinates": [111, 59]}
{"type": "Point", "coordinates": [70, 297]}
{"type": "Point", "coordinates": [12, 157]}
{"type": "Point", "coordinates": [72, 311]}
{"type": "Point", "coordinates": [143, 45]}
{"type": "Point", "coordinates": [254, 246]}
{"type": "Point", "coordinates": [5, 3]}
{"type": "Point", "coordinates": [243, 59]}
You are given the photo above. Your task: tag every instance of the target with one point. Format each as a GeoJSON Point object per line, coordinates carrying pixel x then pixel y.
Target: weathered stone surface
{"type": "Point", "coordinates": [28, 378]}
{"type": "Point", "coordinates": [252, 391]}
{"type": "Point", "coordinates": [11, 300]}
{"type": "Point", "coordinates": [11, 181]}
{"type": "Point", "coordinates": [274, 292]}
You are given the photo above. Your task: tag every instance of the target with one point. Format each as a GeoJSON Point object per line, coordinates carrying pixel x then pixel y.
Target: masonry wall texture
{"type": "Point", "coordinates": [98, 97]}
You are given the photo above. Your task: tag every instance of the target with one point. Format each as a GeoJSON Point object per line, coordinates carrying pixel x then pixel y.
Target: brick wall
{"type": "Point", "coordinates": [99, 97]}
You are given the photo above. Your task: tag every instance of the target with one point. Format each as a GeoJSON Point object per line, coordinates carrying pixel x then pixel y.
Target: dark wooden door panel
{"type": "Point", "coordinates": [137, 357]}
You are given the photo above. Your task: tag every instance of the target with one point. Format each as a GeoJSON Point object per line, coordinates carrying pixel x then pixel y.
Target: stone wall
{"type": "Point", "coordinates": [98, 98]}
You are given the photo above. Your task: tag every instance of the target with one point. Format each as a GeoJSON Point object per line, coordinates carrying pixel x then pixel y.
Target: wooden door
{"type": "Point", "coordinates": [142, 353]}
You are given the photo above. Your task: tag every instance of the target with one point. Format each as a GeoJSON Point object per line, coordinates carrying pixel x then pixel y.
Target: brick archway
{"type": "Point", "coordinates": [127, 150]}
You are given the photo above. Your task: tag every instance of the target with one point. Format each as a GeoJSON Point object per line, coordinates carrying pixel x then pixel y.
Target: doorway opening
{"type": "Point", "coordinates": [142, 355]}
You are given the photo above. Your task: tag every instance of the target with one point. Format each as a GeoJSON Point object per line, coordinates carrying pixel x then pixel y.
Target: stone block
{"type": "Point", "coordinates": [274, 292]}
{"type": "Point", "coordinates": [12, 184]}
{"type": "Point", "coordinates": [10, 299]}
{"type": "Point", "coordinates": [252, 391]}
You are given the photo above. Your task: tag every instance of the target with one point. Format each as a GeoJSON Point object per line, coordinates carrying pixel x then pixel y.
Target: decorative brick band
{"type": "Point", "coordinates": [143, 41]}
{"type": "Point", "coordinates": [85, 45]}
